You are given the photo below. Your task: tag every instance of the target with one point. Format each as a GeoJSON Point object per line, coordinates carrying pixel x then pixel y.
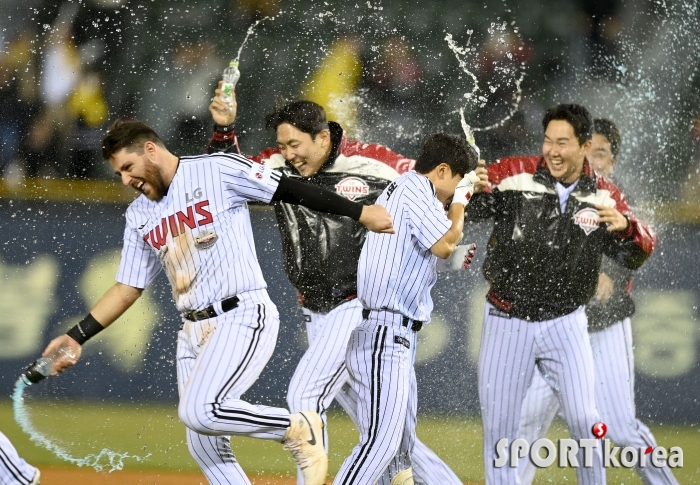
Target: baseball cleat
{"type": "Point", "coordinates": [304, 440]}
{"type": "Point", "coordinates": [404, 477]}
{"type": "Point", "coordinates": [37, 476]}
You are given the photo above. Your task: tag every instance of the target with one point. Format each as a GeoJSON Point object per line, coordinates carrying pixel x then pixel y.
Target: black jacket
{"type": "Point", "coordinates": [321, 250]}
{"type": "Point", "coordinates": [542, 263]}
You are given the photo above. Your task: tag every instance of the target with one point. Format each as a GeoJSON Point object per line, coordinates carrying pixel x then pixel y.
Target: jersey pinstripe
{"type": "Point", "coordinates": [13, 469]}
{"type": "Point", "coordinates": [200, 234]}
{"type": "Point", "coordinates": [510, 352]}
{"type": "Point", "coordinates": [200, 231]}
{"type": "Point", "coordinates": [395, 275]}
{"type": "Point", "coordinates": [402, 282]}
{"type": "Point", "coordinates": [614, 397]}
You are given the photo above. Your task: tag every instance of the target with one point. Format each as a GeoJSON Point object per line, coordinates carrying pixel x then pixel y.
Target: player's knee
{"type": "Point", "coordinates": [193, 415]}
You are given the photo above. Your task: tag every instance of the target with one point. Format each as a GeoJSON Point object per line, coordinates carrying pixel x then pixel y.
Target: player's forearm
{"type": "Point", "coordinates": [116, 300]}
{"type": "Point", "coordinates": [448, 242]}
{"type": "Point", "coordinates": [111, 306]}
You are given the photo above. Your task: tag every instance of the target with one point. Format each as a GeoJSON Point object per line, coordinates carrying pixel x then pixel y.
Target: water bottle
{"type": "Point", "coordinates": [43, 367]}
{"type": "Point", "coordinates": [231, 77]}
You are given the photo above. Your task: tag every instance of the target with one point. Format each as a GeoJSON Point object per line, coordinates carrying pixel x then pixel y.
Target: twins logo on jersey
{"type": "Point", "coordinates": [352, 187]}
{"type": "Point", "coordinates": [195, 215]}
{"type": "Point", "coordinates": [587, 219]}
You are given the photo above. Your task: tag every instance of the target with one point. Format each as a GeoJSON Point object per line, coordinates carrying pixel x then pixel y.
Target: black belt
{"type": "Point", "coordinates": [415, 324]}
{"type": "Point", "coordinates": [226, 305]}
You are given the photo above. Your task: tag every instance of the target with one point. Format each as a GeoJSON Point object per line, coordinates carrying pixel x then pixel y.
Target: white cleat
{"type": "Point", "coordinates": [304, 440]}
{"type": "Point", "coordinates": [404, 477]}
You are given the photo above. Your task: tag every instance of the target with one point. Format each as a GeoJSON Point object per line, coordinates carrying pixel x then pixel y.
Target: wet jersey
{"type": "Point", "coordinates": [200, 231]}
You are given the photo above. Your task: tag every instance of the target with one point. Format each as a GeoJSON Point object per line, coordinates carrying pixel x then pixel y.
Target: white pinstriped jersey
{"type": "Point", "coordinates": [200, 231]}
{"type": "Point", "coordinates": [397, 271]}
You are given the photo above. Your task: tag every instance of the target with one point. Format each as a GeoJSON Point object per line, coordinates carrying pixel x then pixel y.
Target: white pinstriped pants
{"type": "Point", "coordinates": [13, 469]}
{"type": "Point", "coordinates": [321, 376]}
{"type": "Point", "coordinates": [614, 395]}
{"type": "Point", "coordinates": [510, 350]}
{"type": "Point", "coordinates": [379, 359]}
{"type": "Point", "coordinates": [217, 361]}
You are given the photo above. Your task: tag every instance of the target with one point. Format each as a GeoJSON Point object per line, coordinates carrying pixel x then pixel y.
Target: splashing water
{"type": "Point", "coordinates": [469, 132]}
{"type": "Point", "coordinates": [461, 53]}
{"type": "Point", "coordinates": [250, 32]}
{"type": "Point", "coordinates": [101, 461]}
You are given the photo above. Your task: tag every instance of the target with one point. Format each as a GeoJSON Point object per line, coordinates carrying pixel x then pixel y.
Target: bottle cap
{"type": "Point", "coordinates": [33, 375]}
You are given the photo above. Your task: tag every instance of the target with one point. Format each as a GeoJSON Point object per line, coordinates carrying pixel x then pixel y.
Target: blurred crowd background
{"type": "Point", "coordinates": [381, 68]}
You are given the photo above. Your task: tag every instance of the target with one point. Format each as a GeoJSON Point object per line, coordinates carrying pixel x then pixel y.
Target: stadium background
{"type": "Point", "coordinates": [62, 220]}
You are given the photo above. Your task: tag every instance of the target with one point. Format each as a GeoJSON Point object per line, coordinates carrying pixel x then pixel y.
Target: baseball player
{"type": "Point", "coordinates": [610, 333]}
{"type": "Point", "coordinates": [553, 221]}
{"type": "Point", "coordinates": [321, 250]}
{"type": "Point", "coordinates": [13, 469]}
{"type": "Point", "coordinates": [192, 220]}
{"type": "Point", "coordinates": [394, 278]}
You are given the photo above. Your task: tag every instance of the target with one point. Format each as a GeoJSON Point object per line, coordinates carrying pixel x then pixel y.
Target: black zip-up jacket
{"type": "Point", "coordinates": [321, 250]}
{"type": "Point", "coordinates": [542, 263]}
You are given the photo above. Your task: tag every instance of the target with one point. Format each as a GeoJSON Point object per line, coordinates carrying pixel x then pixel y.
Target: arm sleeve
{"type": "Point", "coordinates": [139, 265]}
{"type": "Point", "coordinates": [316, 198]}
{"type": "Point", "coordinates": [426, 217]}
{"type": "Point", "coordinates": [632, 247]}
{"type": "Point", "coordinates": [246, 180]}
{"type": "Point", "coordinates": [223, 139]}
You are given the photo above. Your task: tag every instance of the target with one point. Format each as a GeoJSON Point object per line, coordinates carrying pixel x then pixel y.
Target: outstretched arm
{"type": "Point", "coordinates": [374, 217]}
{"type": "Point", "coordinates": [116, 300]}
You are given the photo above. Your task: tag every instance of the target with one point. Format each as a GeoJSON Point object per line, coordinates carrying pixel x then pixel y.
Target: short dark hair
{"type": "Point", "coordinates": [576, 115]}
{"type": "Point", "coordinates": [608, 129]}
{"type": "Point", "coordinates": [453, 150]}
{"type": "Point", "coordinates": [305, 116]}
{"type": "Point", "coordinates": [129, 134]}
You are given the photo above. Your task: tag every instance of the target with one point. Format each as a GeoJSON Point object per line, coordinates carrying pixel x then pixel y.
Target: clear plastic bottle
{"type": "Point", "coordinates": [43, 367]}
{"type": "Point", "coordinates": [231, 77]}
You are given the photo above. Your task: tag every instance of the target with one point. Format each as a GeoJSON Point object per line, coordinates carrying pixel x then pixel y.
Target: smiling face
{"type": "Point", "coordinates": [562, 152]}
{"type": "Point", "coordinates": [600, 155]}
{"type": "Point", "coordinates": [306, 154]}
{"type": "Point", "coordinates": [139, 171]}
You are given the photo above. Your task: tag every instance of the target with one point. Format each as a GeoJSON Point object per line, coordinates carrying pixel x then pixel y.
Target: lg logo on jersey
{"type": "Point", "coordinates": [629, 457]}
{"type": "Point", "coordinates": [197, 194]}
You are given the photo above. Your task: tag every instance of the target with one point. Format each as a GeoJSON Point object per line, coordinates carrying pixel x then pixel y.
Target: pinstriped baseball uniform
{"type": "Point", "coordinates": [321, 252]}
{"type": "Point", "coordinates": [13, 469]}
{"type": "Point", "coordinates": [200, 233]}
{"type": "Point", "coordinates": [542, 262]}
{"type": "Point", "coordinates": [614, 396]}
{"type": "Point", "coordinates": [610, 333]}
{"type": "Point", "coordinates": [395, 275]}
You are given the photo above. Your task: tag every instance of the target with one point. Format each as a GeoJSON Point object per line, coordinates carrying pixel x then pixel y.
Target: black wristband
{"type": "Point", "coordinates": [223, 129]}
{"type": "Point", "coordinates": [87, 328]}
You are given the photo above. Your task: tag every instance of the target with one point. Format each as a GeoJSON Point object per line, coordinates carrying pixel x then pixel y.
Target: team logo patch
{"type": "Point", "coordinates": [402, 341]}
{"type": "Point", "coordinates": [587, 219]}
{"type": "Point", "coordinates": [352, 187]}
{"type": "Point", "coordinates": [205, 240]}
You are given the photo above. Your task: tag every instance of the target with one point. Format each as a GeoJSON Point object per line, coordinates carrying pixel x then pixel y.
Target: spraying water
{"type": "Point", "coordinates": [462, 53]}
{"type": "Point", "coordinates": [250, 32]}
{"type": "Point", "coordinates": [104, 460]}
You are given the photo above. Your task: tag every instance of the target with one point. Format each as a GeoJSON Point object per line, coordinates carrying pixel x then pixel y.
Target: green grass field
{"type": "Point", "coordinates": [84, 428]}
